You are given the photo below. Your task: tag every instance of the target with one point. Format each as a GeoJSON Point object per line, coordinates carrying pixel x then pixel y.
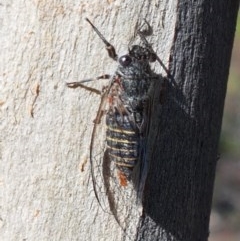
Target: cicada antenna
{"type": "Point", "coordinates": [111, 50]}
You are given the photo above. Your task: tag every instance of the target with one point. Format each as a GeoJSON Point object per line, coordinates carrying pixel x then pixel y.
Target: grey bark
{"type": "Point", "coordinates": [46, 190]}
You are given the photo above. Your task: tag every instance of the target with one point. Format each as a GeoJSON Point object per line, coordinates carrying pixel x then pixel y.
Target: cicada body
{"type": "Point", "coordinates": [119, 164]}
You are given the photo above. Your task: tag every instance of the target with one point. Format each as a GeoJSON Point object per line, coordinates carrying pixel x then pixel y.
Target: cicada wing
{"type": "Point", "coordinates": [97, 150]}
{"type": "Point", "coordinates": [114, 198]}
{"type": "Point", "coordinates": [104, 173]}
{"type": "Point", "coordinates": [141, 169]}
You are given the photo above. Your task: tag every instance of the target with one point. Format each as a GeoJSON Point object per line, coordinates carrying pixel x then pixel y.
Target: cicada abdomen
{"type": "Point", "coordinates": [122, 145]}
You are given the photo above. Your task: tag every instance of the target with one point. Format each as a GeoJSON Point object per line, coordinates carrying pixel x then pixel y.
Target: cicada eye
{"type": "Point", "coordinates": [125, 60]}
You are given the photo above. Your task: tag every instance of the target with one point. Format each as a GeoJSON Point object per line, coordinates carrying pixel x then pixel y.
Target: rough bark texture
{"type": "Point", "coordinates": [45, 128]}
{"type": "Point", "coordinates": [185, 156]}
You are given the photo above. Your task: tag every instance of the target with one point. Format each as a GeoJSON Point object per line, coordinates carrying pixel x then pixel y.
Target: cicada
{"type": "Point", "coordinates": [118, 148]}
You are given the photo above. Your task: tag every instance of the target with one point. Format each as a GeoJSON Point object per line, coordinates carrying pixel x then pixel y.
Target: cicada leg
{"type": "Point", "coordinates": [80, 84]}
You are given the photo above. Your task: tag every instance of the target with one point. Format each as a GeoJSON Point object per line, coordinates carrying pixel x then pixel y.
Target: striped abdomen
{"type": "Point", "coordinates": [122, 143]}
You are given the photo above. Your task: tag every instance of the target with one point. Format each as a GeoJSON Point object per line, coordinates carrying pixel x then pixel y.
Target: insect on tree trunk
{"type": "Point", "coordinates": [45, 127]}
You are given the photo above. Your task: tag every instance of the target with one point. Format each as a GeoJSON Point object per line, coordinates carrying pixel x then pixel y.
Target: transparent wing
{"type": "Point", "coordinates": [114, 199]}
{"type": "Point", "coordinates": [97, 149]}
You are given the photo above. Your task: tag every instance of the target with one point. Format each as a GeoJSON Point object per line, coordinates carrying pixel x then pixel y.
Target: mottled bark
{"type": "Point", "coordinates": [186, 134]}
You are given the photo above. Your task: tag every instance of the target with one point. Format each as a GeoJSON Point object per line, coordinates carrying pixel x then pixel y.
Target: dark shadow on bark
{"type": "Point", "coordinates": [185, 130]}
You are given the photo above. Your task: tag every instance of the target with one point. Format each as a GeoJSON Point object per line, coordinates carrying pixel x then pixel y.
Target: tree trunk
{"type": "Point", "coordinates": [45, 127]}
{"type": "Point", "coordinates": [187, 133]}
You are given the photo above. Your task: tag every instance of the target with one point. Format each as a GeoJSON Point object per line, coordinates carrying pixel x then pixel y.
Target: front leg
{"type": "Point", "coordinates": [81, 85]}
